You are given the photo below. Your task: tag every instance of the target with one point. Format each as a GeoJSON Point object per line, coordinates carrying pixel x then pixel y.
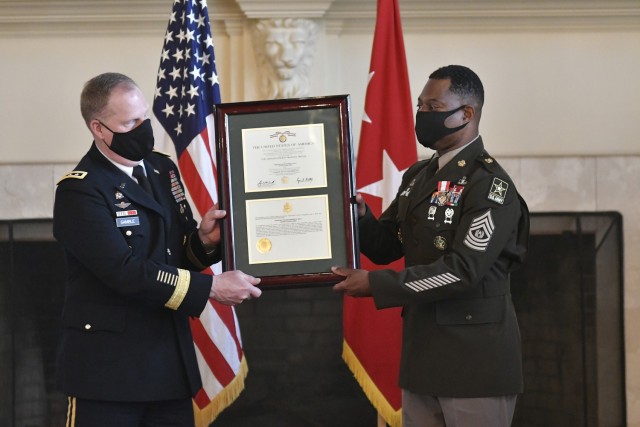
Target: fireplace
{"type": "Point", "coordinates": [569, 299]}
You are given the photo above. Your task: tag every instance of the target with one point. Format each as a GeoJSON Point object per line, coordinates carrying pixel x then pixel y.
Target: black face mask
{"type": "Point", "coordinates": [134, 145]}
{"type": "Point", "coordinates": [430, 127]}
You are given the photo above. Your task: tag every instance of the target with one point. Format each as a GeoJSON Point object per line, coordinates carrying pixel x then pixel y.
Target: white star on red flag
{"type": "Point", "coordinates": [387, 187]}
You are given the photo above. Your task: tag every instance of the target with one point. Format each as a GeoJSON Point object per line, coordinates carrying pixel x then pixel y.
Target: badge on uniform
{"type": "Point", "coordinates": [131, 212]}
{"type": "Point", "coordinates": [431, 215]}
{"type": "Point", "coordinates": [123, 205]}
{"type": "Point", "coordinates": [498, 191]}
{"type": "Point", "coordinates": [448, 215]}
{"type": "Point", "coordinates": [128, 221]}
{"type": "Point", "coordinates": [407, 190]}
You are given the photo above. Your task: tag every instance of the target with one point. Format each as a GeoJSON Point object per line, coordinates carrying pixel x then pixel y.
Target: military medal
{"type": "Point", "coordinates": [443, 191]}
{"type": "Point", "coordinates": [448, 215]}
{"type": "Point", "coordinates": [454, 195]}
{"type": "Point", "coordinates": [440, 243]}
{"type": "Point", "coordinates": [432, 213]}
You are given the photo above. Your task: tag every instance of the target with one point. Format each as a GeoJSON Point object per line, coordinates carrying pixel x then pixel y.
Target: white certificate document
{"type": "Point", "coordinates": [284, 158]}
{"type": "Point", "coordinates": [288, 229]}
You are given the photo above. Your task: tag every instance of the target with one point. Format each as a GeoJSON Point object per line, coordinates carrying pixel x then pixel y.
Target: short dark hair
{"type": "Point", "coordinates": [96, 92]}
{"type": "Point", "coordinates": [464, 82]}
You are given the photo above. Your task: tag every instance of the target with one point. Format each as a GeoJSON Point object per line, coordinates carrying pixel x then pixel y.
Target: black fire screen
{"type": "Point", "coordinates": [569, 299]}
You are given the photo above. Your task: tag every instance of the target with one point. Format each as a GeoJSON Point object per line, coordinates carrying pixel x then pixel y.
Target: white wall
{"type": "Point", "coordinates": [546, 94]}
{"type": "Point", "coordinates": [549, 91]}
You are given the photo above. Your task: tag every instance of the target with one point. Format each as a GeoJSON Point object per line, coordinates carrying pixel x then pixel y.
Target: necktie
{"type": "Point", "coordinates": [138, 173]}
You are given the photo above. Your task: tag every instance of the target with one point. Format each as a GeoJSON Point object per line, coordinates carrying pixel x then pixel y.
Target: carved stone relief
{"type": "Point", "coordinates": [284, 51]}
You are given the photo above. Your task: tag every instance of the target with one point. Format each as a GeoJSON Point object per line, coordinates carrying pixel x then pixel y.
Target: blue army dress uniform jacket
{"type": "Point", "coordinates": [461, 232]}
{"type": "Point", "coordinates": [125, 322]}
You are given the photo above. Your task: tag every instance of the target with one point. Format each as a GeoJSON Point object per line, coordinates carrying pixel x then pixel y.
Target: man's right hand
{"type": "Point", "coordinates": [362, 206]}
{"type": "Point", "coordinates": [233, 287]}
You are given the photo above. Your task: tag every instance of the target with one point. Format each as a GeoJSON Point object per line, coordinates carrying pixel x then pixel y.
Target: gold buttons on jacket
{"type": "Point", "coordinates": [128, 232]}
{"type": "Point", "coordinates": [468, 317]}
{"type": "Point", "coordinates": [87, 326]}
{"type": "Point", "coordinates": [440, 243]}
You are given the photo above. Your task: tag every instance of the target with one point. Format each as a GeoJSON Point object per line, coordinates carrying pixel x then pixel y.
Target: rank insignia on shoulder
{"type": "Point", "coordinates": [498, 191]}
{"type": "Point", "coordinates": [74, 175]}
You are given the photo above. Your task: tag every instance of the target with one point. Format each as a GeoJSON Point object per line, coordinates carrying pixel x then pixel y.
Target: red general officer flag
{"type": "Point", "coordinates": [372, 338]}
{"type": "Point", "coordinates": [187, 89]}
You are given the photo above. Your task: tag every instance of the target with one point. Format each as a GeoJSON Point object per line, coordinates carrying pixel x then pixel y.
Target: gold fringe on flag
{"type": "Point", "coordinates": [392, 417]}
{"type": "Point", "coordinates": [205, 416]}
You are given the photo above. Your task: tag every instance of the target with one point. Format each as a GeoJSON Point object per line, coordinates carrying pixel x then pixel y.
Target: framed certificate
{"type": "Point", "coordinates": [285, 178]}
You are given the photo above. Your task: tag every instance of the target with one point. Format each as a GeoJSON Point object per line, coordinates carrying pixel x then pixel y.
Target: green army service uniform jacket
{"type": "Point", "coordinates": [461, 232]}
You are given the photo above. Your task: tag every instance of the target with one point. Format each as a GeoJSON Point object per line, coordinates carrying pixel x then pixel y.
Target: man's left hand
{"type": "Point", "coordinates": [355, 284]}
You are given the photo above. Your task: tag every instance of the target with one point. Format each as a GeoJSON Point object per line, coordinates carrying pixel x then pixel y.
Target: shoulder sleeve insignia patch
{"type": "Point", "coordinates": [74, 175]}
{"type": "Point", "coordinates": [480, 232]}
{"type": "Point", "coordinates": [498, 191]}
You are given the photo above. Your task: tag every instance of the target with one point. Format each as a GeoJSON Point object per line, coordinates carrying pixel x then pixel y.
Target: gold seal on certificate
{"type": "Point", "coordinates": [288, 229]}
{"type": "Point", "coordinates": [264, 245]}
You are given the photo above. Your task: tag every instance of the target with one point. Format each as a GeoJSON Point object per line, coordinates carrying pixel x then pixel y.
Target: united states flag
{"type": "Point", "coordinates": [186, 91]}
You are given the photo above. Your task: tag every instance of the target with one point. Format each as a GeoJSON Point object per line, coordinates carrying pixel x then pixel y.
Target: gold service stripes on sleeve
{"type": "Point", "coordinates": [184, 278]}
